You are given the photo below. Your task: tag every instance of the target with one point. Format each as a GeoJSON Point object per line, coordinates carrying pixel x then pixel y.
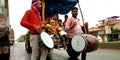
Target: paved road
{"type": "Point", "coordinates": [100, 54]}
{"type": "Point", "coordinates": [18, 53]}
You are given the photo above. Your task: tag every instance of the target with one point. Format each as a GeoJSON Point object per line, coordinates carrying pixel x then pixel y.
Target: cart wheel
{"type": "Point", "coordinates": [6, 56]}
{"type": "Point", "coordinates": [29, 49]}
{"type": "Point", "coordinates": [72, 53]}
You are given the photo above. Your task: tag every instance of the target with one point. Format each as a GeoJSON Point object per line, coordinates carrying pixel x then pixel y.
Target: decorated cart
{"type": "Point", "coordinates": [80, 43]}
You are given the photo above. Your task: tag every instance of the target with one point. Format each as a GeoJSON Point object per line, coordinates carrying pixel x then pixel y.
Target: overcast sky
{"type": "Point", "coordinates": [93, 11]}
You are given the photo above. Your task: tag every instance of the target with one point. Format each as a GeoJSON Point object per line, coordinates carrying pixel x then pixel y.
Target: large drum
{"type": "Point", "coordinates": [92, 42]}
{"type": "Point", "coordinates": [84, 42]}
{"type": "Point", "coordinates": [78, 43]}
{"type": "Point", "coordinates": [46, 40]}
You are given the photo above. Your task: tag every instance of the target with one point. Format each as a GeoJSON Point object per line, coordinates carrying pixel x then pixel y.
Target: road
{"type": "Point", "coordinates": [18, 53]}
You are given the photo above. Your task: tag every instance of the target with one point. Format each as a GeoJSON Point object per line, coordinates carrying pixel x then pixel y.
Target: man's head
{"type": "Point", "coordinates": [52, 22]}
{"type": "Point", "coordinates": [37, 4]}
{"type": "Point", "coordinates": [74, 12]}
{"type": "Point", "coordinates": [60, 22]}
{"type": "Point", "coordinates": [66, 16]}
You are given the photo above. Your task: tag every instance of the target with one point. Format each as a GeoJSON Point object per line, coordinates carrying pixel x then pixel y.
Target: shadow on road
{"type": "Point", "coordinates": [72, 59]}
{"type": "Point", "coordinates": [60, 58]}
{"type": "Point", "coordinates": [59, 55]}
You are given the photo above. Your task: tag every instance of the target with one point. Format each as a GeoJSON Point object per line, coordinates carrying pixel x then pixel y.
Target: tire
{"type": "Point", "coordinates": [28, 48]}
{"type": "Point", "coordinates": [6, 56]}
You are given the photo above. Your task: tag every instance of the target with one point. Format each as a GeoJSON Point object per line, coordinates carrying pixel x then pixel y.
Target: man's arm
{"type": "Point", "coordinates": [68, 24]}
{"type": "Point", "coordinates": [25, 20]}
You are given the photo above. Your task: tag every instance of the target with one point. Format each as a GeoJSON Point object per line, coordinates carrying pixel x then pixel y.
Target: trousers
{"type": "Point", "coordinates": [35, 48]}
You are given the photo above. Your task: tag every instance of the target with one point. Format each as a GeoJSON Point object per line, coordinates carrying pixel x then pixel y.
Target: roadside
{"type": "Point", "coordinates": [110, 45]}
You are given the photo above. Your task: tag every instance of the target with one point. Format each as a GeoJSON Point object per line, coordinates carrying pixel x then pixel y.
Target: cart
{"type": "Point", "coordinates": [78, 44]}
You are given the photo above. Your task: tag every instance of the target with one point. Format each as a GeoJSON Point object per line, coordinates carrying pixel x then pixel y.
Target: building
{"type": "Point", "coordinates": [107, 28]}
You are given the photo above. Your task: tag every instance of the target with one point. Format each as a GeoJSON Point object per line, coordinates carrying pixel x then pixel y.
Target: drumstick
{"type": "Point", "coordinates": [50, 30]}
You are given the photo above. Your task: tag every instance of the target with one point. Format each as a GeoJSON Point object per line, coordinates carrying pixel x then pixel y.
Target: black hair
{"type": "Point", "coordinates": [66, 15]}
{"type": "Point", "coordinates": [74, 8]}
{"type": "Point", "coordinates": [59, 20]}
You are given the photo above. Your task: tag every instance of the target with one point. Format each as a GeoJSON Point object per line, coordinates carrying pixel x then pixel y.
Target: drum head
{"type": "Point", "coordinates": [47, 40]}
{"type": "Point", "coordinates": [78, 43]}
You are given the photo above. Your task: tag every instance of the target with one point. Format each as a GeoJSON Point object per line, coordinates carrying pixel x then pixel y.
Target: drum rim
{"type": "Point", "coordinates": [85, 44]}
{"type": "Point", "coordinates": [52, 44]}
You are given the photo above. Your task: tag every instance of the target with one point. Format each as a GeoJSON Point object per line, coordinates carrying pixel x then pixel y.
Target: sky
{"type": "Point", "coordinates": [93, 11]}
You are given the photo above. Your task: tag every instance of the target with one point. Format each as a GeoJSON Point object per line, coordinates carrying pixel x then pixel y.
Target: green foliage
{"type": "Point", "coordinates": [115, 29]}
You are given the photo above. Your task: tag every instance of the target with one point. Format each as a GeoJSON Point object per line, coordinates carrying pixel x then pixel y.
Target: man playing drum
{"type": "Point", "coordinates": [88, 42]}
{"type": "Point", "coordinates": [73, 24]}
{"type": "Point", "coordinates": [32, 21]}
{"type": "Point", "coordinates": [73, 27]}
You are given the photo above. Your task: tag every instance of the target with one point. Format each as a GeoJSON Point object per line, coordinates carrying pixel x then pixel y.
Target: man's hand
{"type": "Point", "coordinates": [73, 24]}
{"type": "Point", "coordinates": [37, 28]}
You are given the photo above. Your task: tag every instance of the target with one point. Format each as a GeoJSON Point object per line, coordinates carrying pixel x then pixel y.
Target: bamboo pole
{"type": "Point", "coordinates": [43, 14]}
{"type": "Point", "coordinates": [82, 17]}
{"type": "Point", "coordinates": [43, 10]}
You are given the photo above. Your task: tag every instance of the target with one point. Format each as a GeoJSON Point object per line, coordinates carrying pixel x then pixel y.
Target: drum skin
{"type": "Point", "coordinates": [46, 40]}
{"type": "Point", "coordinates": [92, 42]}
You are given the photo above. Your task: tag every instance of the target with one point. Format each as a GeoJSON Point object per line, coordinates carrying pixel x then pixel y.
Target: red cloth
{"type": "Point", "coordinates": [30, 19]}
{"type": "Point", "coordinates": [33, 6]}
{"type": "Point", "coordinates": [56, 31]}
